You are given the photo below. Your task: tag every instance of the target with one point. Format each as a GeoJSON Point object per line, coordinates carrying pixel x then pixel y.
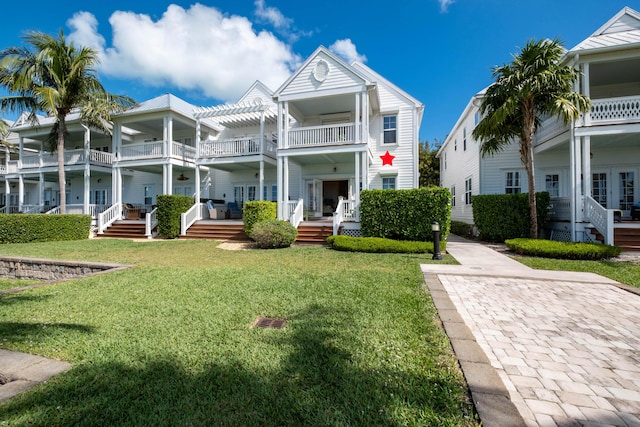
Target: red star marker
{"type": "Point", "coordinates": [387, 159]}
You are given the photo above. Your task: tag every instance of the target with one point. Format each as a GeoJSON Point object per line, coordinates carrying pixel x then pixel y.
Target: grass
{"type": "Point", "coordinates": [14, 283]}
{"type": "Point", "coordinates": [170, 341]}
{"type": "Point", "coordinates": [623, 272]}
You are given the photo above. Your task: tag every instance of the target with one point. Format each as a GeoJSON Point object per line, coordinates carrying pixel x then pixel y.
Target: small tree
{"type": "Point", "coordinates": [428, 164]}
{"type": "Point", "coordinates": [535, 83]}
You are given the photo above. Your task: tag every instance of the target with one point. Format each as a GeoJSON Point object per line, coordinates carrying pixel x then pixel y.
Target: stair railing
{"type": "Point", "coordinates": [108, 217]}
{"type": "Point", "coordinates": [189, 217]}
{"type": "Point", "coordinates": [298, 213]}
{"type": "Point", "coordinates": [151, 221]}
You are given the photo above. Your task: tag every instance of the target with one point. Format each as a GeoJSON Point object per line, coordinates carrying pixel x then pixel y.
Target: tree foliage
{"type": "Point", "coordinates": [535, 84]}
{"type": "Point", "coordinates": [51, 76]}
{"type": "Point", "coordinates": [428, 164]}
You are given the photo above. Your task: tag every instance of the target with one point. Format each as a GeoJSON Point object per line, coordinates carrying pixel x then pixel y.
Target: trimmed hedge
{"type": "Point", "coordinates": [405, 214]}
{"type": "Point", "coordinates": [380, 245]}
{"type": "Point", "coordinates": [257, 211]}
{"type": "Point", "coordinates": [462, 229]}
{"type": "Point", "coordinates": [562, 250]}
{"type": "Point", "coordinates": [274, 234]}
{"type": "Point", "coordinates": [26, 228]}
{"type": "Point", "coordinates": [170, 207]}
{"type": "Point", "coordinates": [506, 216]}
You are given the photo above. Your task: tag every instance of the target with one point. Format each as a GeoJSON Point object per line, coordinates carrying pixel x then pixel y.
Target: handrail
{"type": "Point", "coordinates": [151, 221]}
{"type": "Point", "coordinates": [238, 146]}
{"type": "Point", "coordinates": [109, 216]}
{"type": "Point", "coordinates": [320, 135]}
{"type": "Point", "coordinates": [3, 209]}
{"type": "Point", "coordinates": [601, 218]}
{"type": "Point", "coordinates": [188, 218]}
{"type": "Point", "coordinates": [31, 209]}
{"type": "Point", "coordinates": [296, 216]}
{"type": "Point", "coordinates": [346, 209]}
{"type": "Point", "coordinates": [53, 211]}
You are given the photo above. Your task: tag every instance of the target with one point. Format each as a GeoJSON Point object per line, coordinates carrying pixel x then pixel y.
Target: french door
{"type": "Point", "coordinates": [626, 191]}
{"type": "Point", "coordinates": [312, 197]}
{"type": "Point", "coordinates": [599, 188]}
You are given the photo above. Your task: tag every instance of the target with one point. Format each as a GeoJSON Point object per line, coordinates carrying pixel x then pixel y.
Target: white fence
{"type": "Point", "coordinates": [614, 110]}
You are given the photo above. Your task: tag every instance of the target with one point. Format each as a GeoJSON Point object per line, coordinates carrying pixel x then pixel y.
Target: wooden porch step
{"type": "Point", "coordinates": [125, 230]}
{"type": "Point", "coordinates": [314, 234]}
{"type": "Point", "coordinates": [216, 231]}
{"type": "Point", "coordinates": [627, 238]}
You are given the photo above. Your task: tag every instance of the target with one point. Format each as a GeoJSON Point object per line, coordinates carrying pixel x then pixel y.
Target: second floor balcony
{"type": "Point", "coordinates": [239, 146]}
{"type": "Point", "coordinates": [620, 110]}
{"type": "Point", "coordinates": [156, 150]}
{"type": "Point", "coordinates": [313, 136]}
{"type": "Point", "coordinates": [71, 157]}
{"type": "Point", "coordinates": [9, 168]}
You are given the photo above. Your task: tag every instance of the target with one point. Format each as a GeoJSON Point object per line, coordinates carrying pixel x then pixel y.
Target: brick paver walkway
{"type": "Point", "coordinates": [568, 352]}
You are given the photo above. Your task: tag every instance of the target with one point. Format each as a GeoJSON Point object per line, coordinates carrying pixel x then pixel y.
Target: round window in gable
{"type": "Point", "coordinates": [321, 71]}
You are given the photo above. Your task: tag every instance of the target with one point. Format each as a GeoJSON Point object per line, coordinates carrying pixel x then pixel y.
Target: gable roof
{"type": "Point", "coordinates": [161, 103]}
{"type": "Point", "coordinates": [621, 31]}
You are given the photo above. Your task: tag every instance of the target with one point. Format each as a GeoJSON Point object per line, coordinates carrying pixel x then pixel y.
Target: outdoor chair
{"type": "Point", "coordinates": [234, 211]}
{"type": "Point", "coordinates": [131, 212]}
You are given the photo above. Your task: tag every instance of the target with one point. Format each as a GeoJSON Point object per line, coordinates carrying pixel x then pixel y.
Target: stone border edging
{"type": "Point", "coordinates": [43, 269]}
{"type": "Point", "coordinates": [489, 394]}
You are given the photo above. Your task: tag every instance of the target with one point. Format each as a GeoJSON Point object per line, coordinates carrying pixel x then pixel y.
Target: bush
{"type": "Point", "coordinates": [27, 228]}
{"type": "Point", "coordinates": [562, 250]}
{"type": "Point", "coordinates": [462, 229]}
{"type": "Point", "coordinates": [380, 245]}
{"type": "Point", "coordinates": [506, 216]}
{"type": "Point", "coordinates": [170, 206]}
{"type": "Point", "coordinates": [405, 214]}
{"type": "Point", "coordinates": [257, 211]}
{"type": "Point", "coordinates": [274, 234]}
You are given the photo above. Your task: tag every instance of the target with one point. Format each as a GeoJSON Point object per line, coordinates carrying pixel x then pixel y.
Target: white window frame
{"type": "Point", "coordinates": [453, 196]}
{"type": "Point", "coordinates": [512, 182]}
{"type": "Point", "coordinates": [387, 180]}
{"type": "Point", "coordinates": [552, 184]}
{"type": "Point", "coordinates": [468, 190]}
{"type": "Point", "coordinates": [387, 130]}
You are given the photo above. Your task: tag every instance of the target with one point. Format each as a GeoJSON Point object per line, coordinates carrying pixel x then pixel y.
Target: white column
{"type": "Point", "coordinates": [586, 90]}
{"type": "Point", "coordinates": [197, 184]}
{"type": "Point", "coordinates": [41, 189]}
{"type": "Point", "coordinates": [21, 191]}
{"type": "Point", "coordinates": [198, 137]}
{"type": "Point", "coordinates": [285, 189]}
{"type": "Point", "coordinates": [356, 191]}
{"type": "Point", "coordinates": [586, 164]}
{"type": "Point", "coordinates": [365, 171]}
{"type": "Point", "coordinates": [285, 124]}
{"type": "Point", "coordinates": [261, 181]}
{"type": "Point", "coordinates": [87, 170]}
{"type": "Point", "coordinates": [358, 120]}
{"type": "Point", "coordinates": [279, 189]}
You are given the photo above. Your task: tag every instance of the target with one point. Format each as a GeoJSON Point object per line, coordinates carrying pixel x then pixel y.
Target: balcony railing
{"type": "Point", "coordinates": [614, 110]}
{"type": "Point", "coordinates": [11, 167]}
{"type": "Point", "coordinates": [71, 157]}
{"type": "Point", "coordinates": [322, 135]}
{"type": "Point", "coordinates": [242, 146]}
{"type": "Point", "coordinates": [155, 150]}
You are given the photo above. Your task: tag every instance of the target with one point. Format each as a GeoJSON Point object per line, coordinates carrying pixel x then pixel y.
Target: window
{"type": "Point", "coordinates": [552, 185]}
{"type": "Point", "coordinates": [251, 192]}
{"type": "Point", "coordinates": [467, 191]}
{"type": "Point", "coordinates": [148, 194]}
{"type": "Point", "coordinates": [389, 124]}
{"type": "Point", "coordinates": [512, 183]}
{"type": "Point", "coordinates": [455, 145]}
{"type": "Point", "coordinates": [599, 188]}
{"type": "Point", "coordinates": [445, 161]}
{"type": "Point", "coordinates": [464, 139]}
{"type": "Point", "coordinates": [453, 196]}
{"type": "Point", "coordinates": [389, 183]}
{"type": "Point", "coordinates": [477, 117]}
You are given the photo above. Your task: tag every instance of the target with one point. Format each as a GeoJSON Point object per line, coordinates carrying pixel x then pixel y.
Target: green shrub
{"type": "Point", "coordinates": [562, 250]}
{"type": "Point", "coordinates": [380, 245]}
{"type": "Point", "coordinates": [170, 207]}
{"type": "Point", "coordinates": [405, 214]}
{"type": "Point", "coordinates": [25, 228]}
{"type": "Point", "coordinates": [257, 211]}
{"type": "Point", "coordinates": [462, 229]}
{"type": "Point", "coordinates": [274, 234]}
{"type": "Point", "coordinates": [506, 216]}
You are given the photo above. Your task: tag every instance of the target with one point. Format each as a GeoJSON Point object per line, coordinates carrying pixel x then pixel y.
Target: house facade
{"type": "Point", "coordinates": [328, 132]}
{"type": "Point", "coordinates": [590, 167]}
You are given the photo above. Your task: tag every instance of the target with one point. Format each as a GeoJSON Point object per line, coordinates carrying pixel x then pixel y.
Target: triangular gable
{"type": "Point", "coordinates": [257, 90]}
{"type": "Point", "coordinates": [378, 79]}
{"type": "Point", "coordinates": [623, 29]}
{"type": "Point", "coordinates": [322, 71]}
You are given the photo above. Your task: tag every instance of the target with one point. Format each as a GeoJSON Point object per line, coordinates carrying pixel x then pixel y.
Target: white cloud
{"type": "Point", "coordinates": [199, 49]}
{"type": "Point", "coordinates": [347, 50]}
{"type": "Point", "coordinates": [444, 5]}
{"type": "Point", "coordinates": [272, 15]}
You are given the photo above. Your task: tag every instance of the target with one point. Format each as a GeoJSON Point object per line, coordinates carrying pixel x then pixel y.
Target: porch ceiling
{"type": "Point", "coordinates": [324, 159]}
{"type": "Point", "coordinates": [614, 72]}
{"type": "Point", "coordinates": [325, 105]}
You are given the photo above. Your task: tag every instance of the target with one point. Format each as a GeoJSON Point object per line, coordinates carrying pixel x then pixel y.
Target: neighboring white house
{"type": "Point", "coordinates": [331, 130]}
{"type": "Point", "coordinates": [603, 145]}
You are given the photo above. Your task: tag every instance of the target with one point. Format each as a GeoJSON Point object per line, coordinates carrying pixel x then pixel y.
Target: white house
{"type": "Point", "coordinates": [590, 167]}
{"type": "Point", "coordinates": [328, 132]}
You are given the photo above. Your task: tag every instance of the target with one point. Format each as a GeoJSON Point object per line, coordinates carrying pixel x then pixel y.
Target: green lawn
{"type": "Point", "coordinates": [170, 341]}
{"type": "Point", "coordinates": [623, 272]}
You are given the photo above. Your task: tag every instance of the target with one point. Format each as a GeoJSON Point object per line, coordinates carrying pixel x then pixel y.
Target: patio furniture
{"type": "Point", "coordinates": [234, 211]}
{"type": "Point", "coordinates": [216, 212]}
{"type": "Point", "coordinates": [131, 212]}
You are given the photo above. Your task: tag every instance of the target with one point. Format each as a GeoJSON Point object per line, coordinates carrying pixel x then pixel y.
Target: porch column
{"type": "Point", "coordinates": [41, 189]}
{"type": "Point", "coordinates": [358, 121]}
{"type": "Point", "coordinates": [356, 191]}
{"type": "Point", "coordinates": [197, 184]}
{"type": "Point", "coordinates": [285, 124]}
{"type": "Point", "coordinates": [261, 181]}
{"type": "Point", "coordinates": [365, 171]}
{"type": "Point", "coordinates": [285, 179]}
{"type": "Point", "coordinates": [87, 170]}
{"type": "Point", "coordinates": [20, 151]}
{"type": "Point", "coordinates": [280, 192]}
{"type": "Point", "coordinates": [365, 117]}
{"type": "Point", "coordinates": [116, 141]}
{"type": "Point", "coordinates": [21, 192]}
{"type": "Point", "coordinates": [167, 135]}
{"type": "Point", "coordinates": [586, 164]}
{"type": "Point", "coordinates": [167, 172]}
{"type": "Point", "coordinates": [198, 136]}
{"type": "Point", "coordinates": [280, 127]}
{"type": "Point", "coordinates": [586, 90]}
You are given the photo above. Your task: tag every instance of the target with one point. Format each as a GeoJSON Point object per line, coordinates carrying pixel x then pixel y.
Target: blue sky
{"type": "Point", "coordinates": [439, 51]}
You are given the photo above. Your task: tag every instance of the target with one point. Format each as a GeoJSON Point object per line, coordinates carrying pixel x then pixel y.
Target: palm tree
{"type": "Point", "coordinates": [56, 78]}
{"type": "Point", "coordinates": [533, 85]}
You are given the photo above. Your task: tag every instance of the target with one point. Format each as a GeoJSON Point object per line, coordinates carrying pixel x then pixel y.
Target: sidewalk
{"type": "Point", "coordinates": [539, 348]}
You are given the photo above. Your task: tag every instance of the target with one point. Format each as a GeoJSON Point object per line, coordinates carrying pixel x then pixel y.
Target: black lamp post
{"type": "Point", "coordinates": [435, 227]}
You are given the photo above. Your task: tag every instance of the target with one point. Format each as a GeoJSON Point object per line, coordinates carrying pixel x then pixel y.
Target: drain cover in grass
{"type": "Point", "coordinates": [270, 322]}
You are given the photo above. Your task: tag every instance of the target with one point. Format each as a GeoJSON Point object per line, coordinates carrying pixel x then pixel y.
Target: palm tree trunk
{"type": "Point", "coordinates": [526, 153]}
{"type": "Point", "coordinates": [61, 174]}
